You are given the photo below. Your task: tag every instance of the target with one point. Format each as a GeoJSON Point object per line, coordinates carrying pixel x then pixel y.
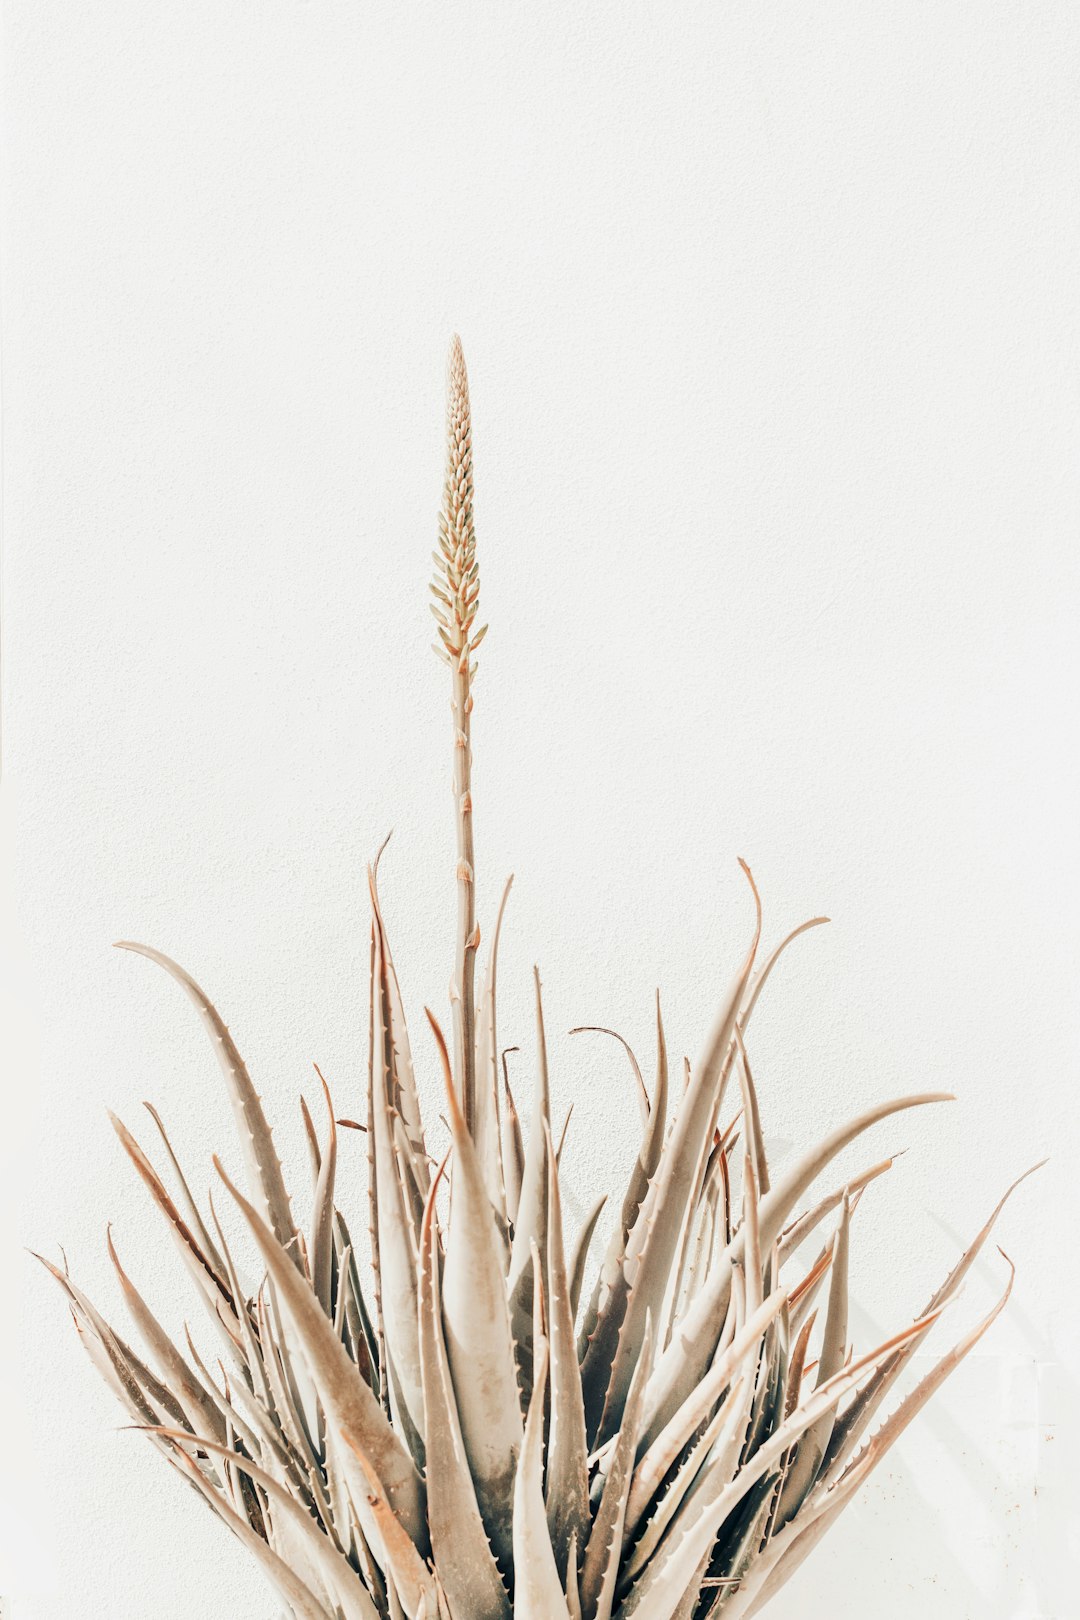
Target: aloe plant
{"type": "Point", "coordinates": [469, 1435]}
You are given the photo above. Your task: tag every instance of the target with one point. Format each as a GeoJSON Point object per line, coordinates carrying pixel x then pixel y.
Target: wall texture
{"type": "Point", "coordinates": [772, 321]}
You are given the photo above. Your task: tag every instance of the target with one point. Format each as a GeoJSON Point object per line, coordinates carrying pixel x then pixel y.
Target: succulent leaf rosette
{"type": "Point", "coordinates": [479, 1429]}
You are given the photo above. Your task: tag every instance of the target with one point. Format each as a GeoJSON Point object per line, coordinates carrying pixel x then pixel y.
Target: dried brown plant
{"type": "Point", "coordinates": [472, 1436]}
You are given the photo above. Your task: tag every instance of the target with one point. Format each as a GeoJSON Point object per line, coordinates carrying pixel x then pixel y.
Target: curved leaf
{"type": "Point", "coordinates": [256, 1138]}
{"type": "Point", "coordinates": [345, 1396]}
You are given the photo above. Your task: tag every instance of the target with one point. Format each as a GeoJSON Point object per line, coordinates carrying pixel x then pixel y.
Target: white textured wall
{"type": "Point", "coordinates": [772, 320]}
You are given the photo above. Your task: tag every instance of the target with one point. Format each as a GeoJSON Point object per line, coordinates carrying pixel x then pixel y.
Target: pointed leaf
{"type": "Point", "coordinates": [683, 1363]}
{"type": "Point", "coordinates": [395, 1223]}
{"type": "Point", "coordinates": [334, 1569]}
{"type": "Point", "coordinates": [322, 1236]}
{"type": "Point", "coordinates": [459, 1541]}
{"type": "Point", "coordinates": [652, 1243]}
{"type": "Point", "coordinates": [603, 1552]}
{"type": "Point", "coordinates": [538, 1591]}
{"type": "Point", "coordinates": [346, 1398]}
{"type": "Point", "coordinates": [567, 1462]}
{"type": "Point", "coordinates": [476, 1321]}
{"type": "Point", "coordinates": [833, 1352]}
{"type": "Point", "coordinates": [579, 1254]}
{"type": "Point", "coordinates": [487, 1134]}
{"type": "Point", "coordinates": [256, 1138]}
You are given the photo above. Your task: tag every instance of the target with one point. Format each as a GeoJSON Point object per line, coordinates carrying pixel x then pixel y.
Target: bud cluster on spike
{"type": "Point", "coordinates": [456, 586]}
{"type": "Point", "coordinates": [478, 1434]}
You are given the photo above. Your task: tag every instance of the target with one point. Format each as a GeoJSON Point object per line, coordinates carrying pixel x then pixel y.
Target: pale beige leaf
{"type": "Point", "coordinates": [256, 1138]}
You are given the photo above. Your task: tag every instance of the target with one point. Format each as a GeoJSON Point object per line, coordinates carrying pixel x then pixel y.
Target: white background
{"type": "Point", "coordinates": [771, 314]}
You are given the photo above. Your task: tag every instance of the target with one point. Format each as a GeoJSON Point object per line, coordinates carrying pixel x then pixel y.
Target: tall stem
{"type": "Point", "coordinates": [456, 589]}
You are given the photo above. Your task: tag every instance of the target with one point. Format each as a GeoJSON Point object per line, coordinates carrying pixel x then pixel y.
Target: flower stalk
{"type": "Point", "coordinates": [456, 589]}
